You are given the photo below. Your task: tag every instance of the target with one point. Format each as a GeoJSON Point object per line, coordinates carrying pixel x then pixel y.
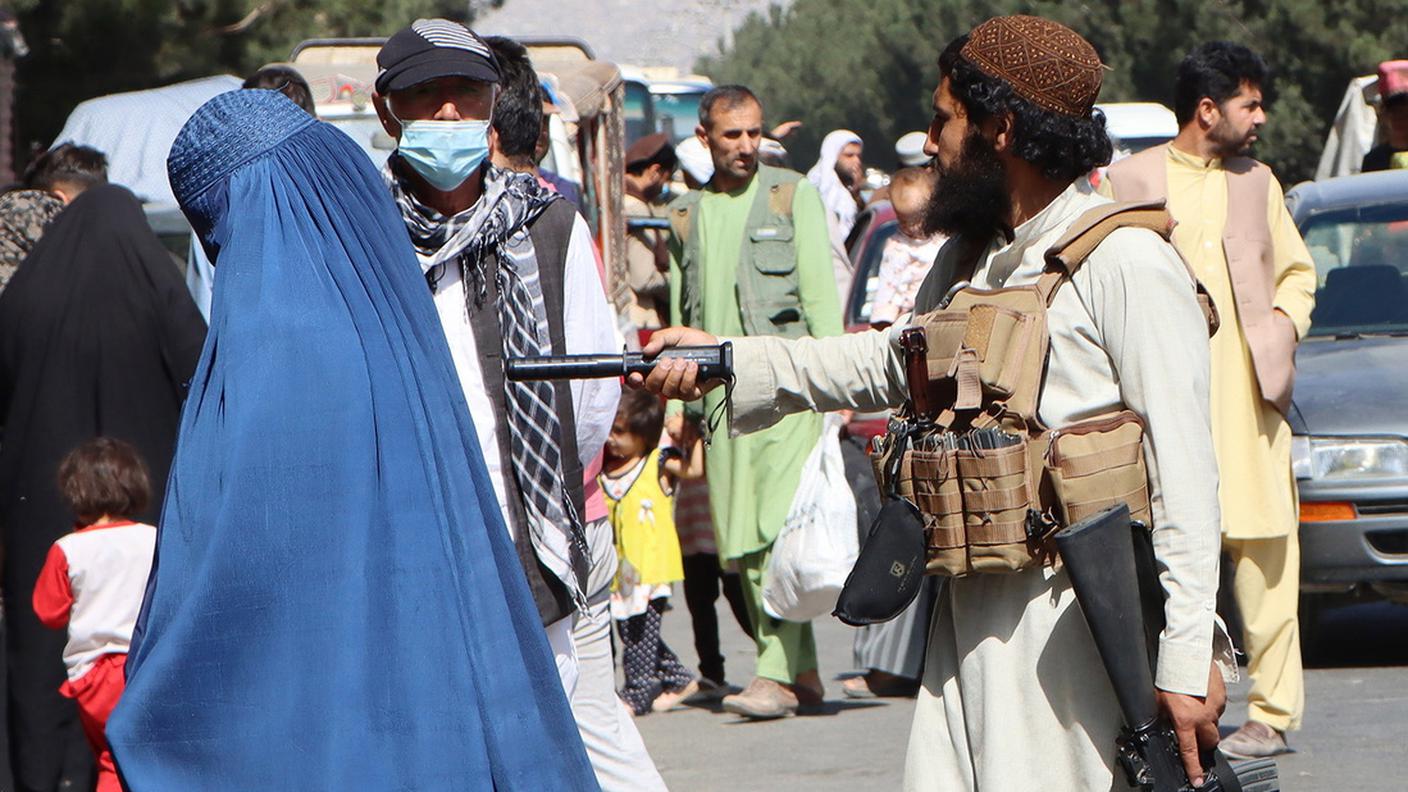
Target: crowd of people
{"type": "Point", "coordinates": [373, 546]}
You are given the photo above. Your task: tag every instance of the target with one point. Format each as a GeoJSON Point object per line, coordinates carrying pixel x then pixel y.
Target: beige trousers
{"type": "Point", "coordinates": [1266, 583]}
{"type": "Point", "coordinates": [1014, 694]}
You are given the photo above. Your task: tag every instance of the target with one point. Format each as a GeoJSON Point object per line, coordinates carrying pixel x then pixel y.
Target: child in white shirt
{"type": "Point", "coordinates": [94, 579]}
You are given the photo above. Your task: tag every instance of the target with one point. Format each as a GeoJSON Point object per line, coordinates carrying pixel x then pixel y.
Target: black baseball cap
{"type": "Point", "coordinates": [432, 48]}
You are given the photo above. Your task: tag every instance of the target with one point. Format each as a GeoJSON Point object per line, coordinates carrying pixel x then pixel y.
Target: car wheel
{"type": "Point", "coordinates": [1312, 643]}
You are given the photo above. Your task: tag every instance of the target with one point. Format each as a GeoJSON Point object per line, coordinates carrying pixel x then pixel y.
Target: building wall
{"type": "Point", "coordinates": [635, 32]}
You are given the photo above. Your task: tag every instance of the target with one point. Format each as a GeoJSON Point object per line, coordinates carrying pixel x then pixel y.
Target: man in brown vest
{"type": "Point", "coordinates": [1234, 229]}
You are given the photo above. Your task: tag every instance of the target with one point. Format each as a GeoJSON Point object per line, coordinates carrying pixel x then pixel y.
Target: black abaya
{"type": "Point", "coordinates": [98, 337]}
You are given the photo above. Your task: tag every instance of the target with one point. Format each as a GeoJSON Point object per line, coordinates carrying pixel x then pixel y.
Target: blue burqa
{"type": "Point", "coordinates": [336, 603]}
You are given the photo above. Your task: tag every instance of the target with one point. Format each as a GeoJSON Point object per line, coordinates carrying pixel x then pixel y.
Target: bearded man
{"type": "Point", "coordinates": [1013, 696]}
{"type": "Point", "coordinates": [1235, 230]}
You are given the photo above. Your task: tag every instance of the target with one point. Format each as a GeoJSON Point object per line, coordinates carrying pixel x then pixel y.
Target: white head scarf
{"type": "Point", "coordinates": [694, 157]}
{"type": "Point", "coordinates": [839, 201]}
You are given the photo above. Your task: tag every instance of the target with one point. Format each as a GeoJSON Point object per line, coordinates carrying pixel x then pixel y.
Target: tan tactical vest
{"type": "Point", "coordinates": [969, 450]}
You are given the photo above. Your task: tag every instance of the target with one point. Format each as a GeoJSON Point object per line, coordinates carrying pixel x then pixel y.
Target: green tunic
{"type": "Point", "coordinates": [752, 478]}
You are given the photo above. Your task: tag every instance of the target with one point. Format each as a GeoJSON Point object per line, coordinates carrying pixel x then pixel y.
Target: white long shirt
{"type": "Point", "coordinates": [589, 326]}
{"type": "Point", "coordinates": [92, 582]}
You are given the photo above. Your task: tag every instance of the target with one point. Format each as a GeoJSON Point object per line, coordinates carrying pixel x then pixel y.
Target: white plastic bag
{"type": "Point", "coordinates": [818, 544]}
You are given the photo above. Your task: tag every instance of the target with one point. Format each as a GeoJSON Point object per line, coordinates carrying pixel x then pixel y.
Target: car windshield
{"type": "Point", "coordinates": [677, 114]}
{"type": "Point", "coordinates": [638, 111]}
{"type": "Point", "coordinates": [1133, 145]}
{"type": "Point", "coordinates": [1361, 265]}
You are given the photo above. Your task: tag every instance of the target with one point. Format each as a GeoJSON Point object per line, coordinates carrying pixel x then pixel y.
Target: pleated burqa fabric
{"type": "Point", "coordinates": [336, 603]}
{"type": "Point", "coordinates": [98, 336]}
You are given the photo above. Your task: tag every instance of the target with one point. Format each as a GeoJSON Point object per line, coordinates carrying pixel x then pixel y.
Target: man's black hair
{"type": "Point", "coordinates": [1063, 147]}
{"type": "Point", "coordinates": [66, 163]}
{"type": "Point", "coordinates": [665, 157]}
{"type": "Point", "coordinates": [287, 81]}
{"type": "Point", "coordinates": [726, 97]}
{"type": "Point", "coordinates": [518, 112]}
{"type": "Point", "coordinates": [644, 415]}
{"type": "Point", "coordinates": [1216, 70]}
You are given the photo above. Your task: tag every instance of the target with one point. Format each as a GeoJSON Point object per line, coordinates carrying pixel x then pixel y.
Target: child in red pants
{"type": "Point", "coordinates": [93, 581]}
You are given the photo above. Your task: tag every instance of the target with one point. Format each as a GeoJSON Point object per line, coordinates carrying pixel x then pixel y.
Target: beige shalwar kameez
{"type": "Point", "coordinates": [1260, 504]}
{"type": "Point", "coordinates": [1014, 696]}
{"type": "Point", "coordinates": [1260, 507]}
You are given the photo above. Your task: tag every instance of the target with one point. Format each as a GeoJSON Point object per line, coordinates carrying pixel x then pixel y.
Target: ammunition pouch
{"type": "Point", "coordinates": [1097, 463]}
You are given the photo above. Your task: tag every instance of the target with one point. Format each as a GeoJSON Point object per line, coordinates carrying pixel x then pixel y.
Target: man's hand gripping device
{"type": "Point", "coordinates": [715, 363]}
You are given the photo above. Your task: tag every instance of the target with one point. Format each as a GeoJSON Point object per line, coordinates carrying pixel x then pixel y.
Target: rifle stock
{"type": "Point", "coordinates": [1120, 595]}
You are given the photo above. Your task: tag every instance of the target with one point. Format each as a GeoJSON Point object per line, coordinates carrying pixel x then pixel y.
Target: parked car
{"type": "Point", "coordinates": [1135, 126]}
{"type": "Point", "coordinates": [1350, 411]}
{"type": "Point", "coordinates": [874, 227]}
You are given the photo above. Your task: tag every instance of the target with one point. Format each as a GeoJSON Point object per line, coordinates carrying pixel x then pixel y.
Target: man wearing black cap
{"type": "Point", "coordinates": [650, 164]}
{"type": "Point", "coordinates": [513, 272]}
{"type": "Point", "coordinates": [614, 746]}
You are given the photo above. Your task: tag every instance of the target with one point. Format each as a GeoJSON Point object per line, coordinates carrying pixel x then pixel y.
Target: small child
{"type": "Point", "coordinates": [638, 481]}
{"type": "Point", "coordinates": [94, 578]}
{"type": "Point", "coordinates": [909, 254]}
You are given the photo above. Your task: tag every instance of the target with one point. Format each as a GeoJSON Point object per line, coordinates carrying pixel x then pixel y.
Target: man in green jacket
{"type": "Point", "coordinates": [750, 255]}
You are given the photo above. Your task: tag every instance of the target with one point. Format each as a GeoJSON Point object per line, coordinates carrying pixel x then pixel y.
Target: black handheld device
{"type": "Point", "coordinates": [715, 363]}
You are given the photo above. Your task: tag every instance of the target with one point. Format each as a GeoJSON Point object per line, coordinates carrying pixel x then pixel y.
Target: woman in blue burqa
{"type": "Point", "coordinates": [335, 603]}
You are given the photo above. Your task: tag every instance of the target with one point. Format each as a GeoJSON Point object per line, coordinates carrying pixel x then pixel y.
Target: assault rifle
{"type": "Point", "coordinates": [715, 363]}
{"type": "Point", "coordinates": [1110, 560]}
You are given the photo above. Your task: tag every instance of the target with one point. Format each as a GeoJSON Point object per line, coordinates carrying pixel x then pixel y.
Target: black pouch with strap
{"type": "Point", "coordinates": [889, 572]}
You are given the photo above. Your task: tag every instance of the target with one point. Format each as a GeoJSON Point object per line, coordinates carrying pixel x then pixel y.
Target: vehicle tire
{"type": "Point", "coordinates": [1311, 615]}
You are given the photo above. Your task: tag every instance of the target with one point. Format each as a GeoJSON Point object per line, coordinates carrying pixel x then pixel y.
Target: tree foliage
{"type": "Point", "coordinates": [80, 49]}
{"type": "Point", "coordinates": [871, 65]}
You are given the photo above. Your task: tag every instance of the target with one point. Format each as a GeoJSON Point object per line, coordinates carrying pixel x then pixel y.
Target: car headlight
{"type": "Point", "coordinates": [1339, 458]}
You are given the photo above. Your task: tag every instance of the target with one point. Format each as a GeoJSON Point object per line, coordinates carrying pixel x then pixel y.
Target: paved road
{"type": "Point", "coordinates": [1355, 735]}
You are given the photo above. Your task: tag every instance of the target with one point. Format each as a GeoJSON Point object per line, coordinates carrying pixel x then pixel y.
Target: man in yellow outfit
{"type": "Point", "coordinates": [1234, 229]}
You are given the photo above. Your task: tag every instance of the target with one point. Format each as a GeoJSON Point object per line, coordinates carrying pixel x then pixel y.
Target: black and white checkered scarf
{"type": "Point", "coordinates": [497, 225]}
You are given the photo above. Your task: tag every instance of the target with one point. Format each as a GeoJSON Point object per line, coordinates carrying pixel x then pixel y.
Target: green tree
{"type": "Point", "coordinates": [86, 48]}
{"type": "Point", "coordinates": [870, 65]}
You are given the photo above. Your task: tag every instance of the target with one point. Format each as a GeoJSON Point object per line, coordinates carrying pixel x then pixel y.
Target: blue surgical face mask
{"type": "Point", "coordinates": [446, 153]}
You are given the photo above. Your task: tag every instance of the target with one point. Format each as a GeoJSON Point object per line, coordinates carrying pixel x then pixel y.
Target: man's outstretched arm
{"type": "Point", "coordinates": [777, 377]}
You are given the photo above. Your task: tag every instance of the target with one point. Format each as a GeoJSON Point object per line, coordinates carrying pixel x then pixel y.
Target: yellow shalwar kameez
{"type": "Point", "coordinates": [1260, 508]}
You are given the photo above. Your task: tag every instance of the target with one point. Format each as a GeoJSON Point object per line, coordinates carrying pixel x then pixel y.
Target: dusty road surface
{"type": "Point", "coordinates": [1355, 735]}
